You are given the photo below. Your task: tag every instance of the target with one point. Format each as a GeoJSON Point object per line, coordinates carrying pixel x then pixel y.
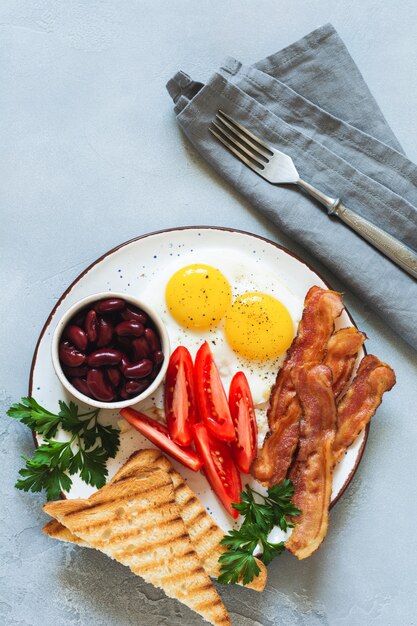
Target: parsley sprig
{"type": "Point", "coordinates": [275, 509]}
{"type": "Point", "coordinates": [86, 452]}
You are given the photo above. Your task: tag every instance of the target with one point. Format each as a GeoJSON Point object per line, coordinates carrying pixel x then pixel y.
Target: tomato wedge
{"type": "Point", "coordinates": [158, 434]}
{"type": "Point", "coordinates": [211, 397]}
{"type": "Point", "coordinates": [180, 409]}
{"type": "Point", "coordinates": [243, 414]}
{"type": "Point", "coordinates": [219, 468]}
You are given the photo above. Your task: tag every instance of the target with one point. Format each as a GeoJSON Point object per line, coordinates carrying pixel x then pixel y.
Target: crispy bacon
{"type": "Point", "coordinates": [311, 472]}
{"type": "Point", "coordinates": [342, 352]}
{"type": "Point", "coordinates": [321, 308]}
{"type": "Point", "coordinates": [361, 401]}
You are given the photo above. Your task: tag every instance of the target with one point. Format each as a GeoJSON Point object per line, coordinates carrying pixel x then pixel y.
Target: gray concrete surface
{"type": "Point", "coordinates": [87, 163]}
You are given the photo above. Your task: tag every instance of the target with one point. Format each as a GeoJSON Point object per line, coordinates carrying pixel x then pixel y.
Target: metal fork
{"type": "Point", "coordinates": [278, 168]}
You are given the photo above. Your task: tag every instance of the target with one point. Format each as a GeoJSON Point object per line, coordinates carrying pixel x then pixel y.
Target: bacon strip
{"type": "Point", "coordinates": [311, 472]}
{"type": "Point", "coordinates": [321, 308]}
{"type": "Point", "coordinates": [361, 401]}
{"type": "Point", "coordinates": [342, 352]}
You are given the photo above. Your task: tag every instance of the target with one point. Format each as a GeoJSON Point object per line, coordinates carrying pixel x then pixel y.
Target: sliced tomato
{"type": "Point", "coordinates": [211, 397]}
{"type": "Point", "coordinates": [219, 467]}
{"type": "Point", "coordinates": [180, 408]}
{"type": "Point", "coordinates": [159, 435]}
{"type": "Point", "coordinates": [243, 414]}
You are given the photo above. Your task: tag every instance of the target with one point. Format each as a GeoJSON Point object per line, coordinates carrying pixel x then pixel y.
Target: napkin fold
{"type": "Point", "coordinates": [310, 101]}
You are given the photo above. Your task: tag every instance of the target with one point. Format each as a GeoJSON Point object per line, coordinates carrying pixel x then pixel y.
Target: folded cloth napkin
{"type": "Point", "coordinates": [311, 101]}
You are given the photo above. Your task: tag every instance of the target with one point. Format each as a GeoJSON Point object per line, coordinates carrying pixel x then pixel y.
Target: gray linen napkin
{"type": "Point", "coordinates": [311, 101]}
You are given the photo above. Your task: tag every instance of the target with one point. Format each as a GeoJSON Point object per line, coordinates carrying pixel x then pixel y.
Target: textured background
{"type": "Point", "coordinates": [91, 157]}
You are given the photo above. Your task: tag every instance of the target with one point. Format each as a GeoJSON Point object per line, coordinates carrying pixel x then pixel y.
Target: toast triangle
{"type": "Point", "coordinates": [137, 522]}
{"type": "Point", "coordinates": [204, 533]}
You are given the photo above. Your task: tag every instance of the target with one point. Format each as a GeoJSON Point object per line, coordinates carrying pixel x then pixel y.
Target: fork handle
{"type": "Point", "coordinates": [394, 249]}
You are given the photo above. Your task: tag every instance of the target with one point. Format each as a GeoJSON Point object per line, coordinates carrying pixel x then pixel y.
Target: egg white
{"type": "Point", "coordinates": [244, 274]}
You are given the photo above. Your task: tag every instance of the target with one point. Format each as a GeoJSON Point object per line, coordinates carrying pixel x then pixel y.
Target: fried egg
{"type": "Point", "coordinates": [198, 296]}
{"type": "Point", "coordinates": [258, 326]}
{"type": "Point", "coordinates": [249, 321]}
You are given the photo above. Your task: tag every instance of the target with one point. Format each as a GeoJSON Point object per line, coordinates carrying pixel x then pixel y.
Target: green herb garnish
{"type": "Point", "coordinates": [86, 452]}
{"type": "Point", "coordinates": [238, 563]}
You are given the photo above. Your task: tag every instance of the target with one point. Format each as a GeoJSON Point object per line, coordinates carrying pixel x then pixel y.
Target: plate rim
{"type": "Point", "coordinates": [45, 326]}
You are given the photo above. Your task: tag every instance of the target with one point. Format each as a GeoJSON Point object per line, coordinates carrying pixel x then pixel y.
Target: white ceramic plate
{"type": "Point", "coordinates": [140, 267]}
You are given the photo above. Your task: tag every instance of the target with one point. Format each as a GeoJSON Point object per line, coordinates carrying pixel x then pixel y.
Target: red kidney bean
{"type": "Point", "coordinates": [99, 387]}
{"type": "Point", "coordinates": [104, 332]}
{"type": "Point", "coordinates": [138, 370]}
{"type": "Point", "coordinates": [125, 345]}
{"type": "Point", "coordinates": [129, 327]}
{"type": "Point", "coordinates": [104, 356]}
{"type": "Point", "coordinates": [135, 387]}
{"type": "Point", "coordinates": [124, 363]}
{"type": "Point", "coordinates": [81, 385]}
{"type": "Point", "coordinates": [91, 325]}
{"type": "Point", "coordinates": [110, 305]}
{"type": "Point", "coordinates": [141, 348]}
{"type": "Point", "coordinates": [77, 336]}
{"type": "Point", "coordinates": [123, 394]}
{"type": "Point", "coordinates": [158, 357]}
{"type": "Point", "coordinates": [152, 339]}
{"type": "Point", "coordinates": [134, 314]}
{"type": "Point", "coordinates": [79, 319]}
{"type": "Point", "coordinates": [114, 375]}
{"type": "Point", "coordinates": [155, 371]}
{"type": "Point", "coordinates": [69, 355]}
{"type": "Point", "coordinates": [78, 372]}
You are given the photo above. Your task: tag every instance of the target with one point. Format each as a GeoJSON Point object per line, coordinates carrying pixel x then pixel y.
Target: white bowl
{"type": "Point", "coordinates": [81, 304]}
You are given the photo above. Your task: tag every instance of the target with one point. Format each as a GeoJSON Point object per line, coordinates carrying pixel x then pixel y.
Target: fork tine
{"type": "Point", "coordinates": [239, 155]}
{"type": "Point", "coordinates": [232, 139]}
{"type": "Point", "coordinates": [247, 132]}
{"type": "Point", "coordinates": [243, 137]}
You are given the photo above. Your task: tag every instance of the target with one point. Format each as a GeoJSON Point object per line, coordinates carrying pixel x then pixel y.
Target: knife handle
{"type": "Point", "coordinates": [394, 249]}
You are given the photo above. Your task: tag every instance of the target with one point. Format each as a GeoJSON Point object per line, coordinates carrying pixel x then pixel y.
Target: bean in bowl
{"type": "Point", "coordinates": [110, 350]}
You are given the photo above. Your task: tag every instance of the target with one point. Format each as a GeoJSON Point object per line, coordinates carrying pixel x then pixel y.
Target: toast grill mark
{"type": "Point", "coordinates": [126, 498]}
{"type": "Point", "coordinates": [143, 528]}
{"type": "Point", "coordinates": [145, 548]}
{"type": "Point", "coordinates": [191, 500]}
{"type": "Point", "coordinates": [187, 575]}
{"type": "Point", "coordinates": [200, 515]}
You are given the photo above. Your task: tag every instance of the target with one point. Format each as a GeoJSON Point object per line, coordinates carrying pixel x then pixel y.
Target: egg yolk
{"type": "Point", "coordinates": [258, 326]}
{"type": "Point", "coordinates": [198, 296]}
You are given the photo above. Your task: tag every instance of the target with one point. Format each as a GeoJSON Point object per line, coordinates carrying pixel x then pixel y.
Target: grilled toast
{"type": "Point", "coordinates": [204, 533]}
{"type": "Point", "coordinates": [137, 521]}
